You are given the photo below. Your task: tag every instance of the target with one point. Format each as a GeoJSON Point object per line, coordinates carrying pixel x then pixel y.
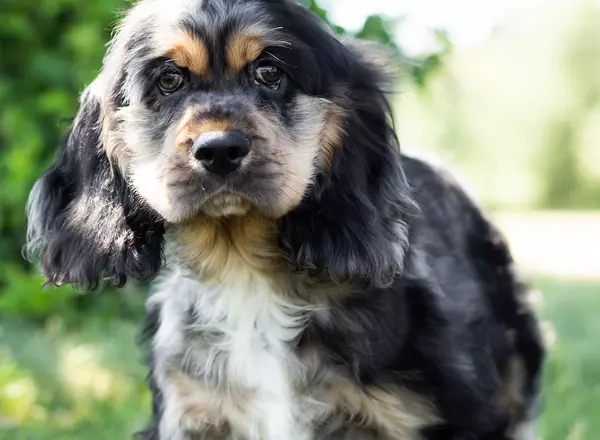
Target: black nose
{"type": "Point", "coordinates": [221, 152]}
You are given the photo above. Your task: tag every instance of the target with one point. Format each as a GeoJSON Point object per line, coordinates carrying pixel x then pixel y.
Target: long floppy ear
{"type": "Point", "coordinates": [84, 223]}
{"type": "Point", "coordinates": [351, 227]}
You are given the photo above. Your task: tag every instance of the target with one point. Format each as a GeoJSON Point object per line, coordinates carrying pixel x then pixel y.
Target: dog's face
{"type": "Point", "coordinates": [226, 111]}
{"type": "Point", "coordinates": [221, 108]}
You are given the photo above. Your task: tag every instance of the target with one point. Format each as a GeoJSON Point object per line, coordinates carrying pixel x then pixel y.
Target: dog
{"type": "Point", "coordinates": [312, 281]}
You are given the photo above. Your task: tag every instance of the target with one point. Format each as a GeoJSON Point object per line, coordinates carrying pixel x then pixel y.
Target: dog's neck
{"type": "Point", "coordinates": [212, 247]}
{"type": "Point", "coordinates": [231, 274]}
{"type": "Point", "coordinates": [215, 251]}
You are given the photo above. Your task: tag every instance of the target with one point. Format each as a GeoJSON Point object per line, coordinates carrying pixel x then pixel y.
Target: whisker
{"type": "Point", "coordinates": [292, 189]}
{"type": "Point", "coordinates": [165, 155]}
{"type": "Point", "coordinates": [280, 60]}
{"type": "Point", "coordinates": [285, 194]}
{"type": "Point", "coordinates": [302, 179]}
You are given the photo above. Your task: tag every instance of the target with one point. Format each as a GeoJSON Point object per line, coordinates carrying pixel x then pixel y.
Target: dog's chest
{"type": "Point", "coordinates": [235, 344]}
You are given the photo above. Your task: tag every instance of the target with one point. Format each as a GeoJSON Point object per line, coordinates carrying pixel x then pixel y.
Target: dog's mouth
{"type": "Point", "coordinates": [225, 204]}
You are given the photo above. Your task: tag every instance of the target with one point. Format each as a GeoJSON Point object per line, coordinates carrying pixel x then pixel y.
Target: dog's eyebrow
{"type": "Point", "coordinates": [242, 49]}
{"type": "Point", "coordinates": [190, 52]}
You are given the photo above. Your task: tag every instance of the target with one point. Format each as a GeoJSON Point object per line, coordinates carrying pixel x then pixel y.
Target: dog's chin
{"type": "Point", "coordinates": [226, 205]}
{"type": "Point", "coordinates": [220, 204]}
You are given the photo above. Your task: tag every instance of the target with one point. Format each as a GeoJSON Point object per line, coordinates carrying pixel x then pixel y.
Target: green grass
{"type": "Point", "coordinates": [85, 383]}
{"type": "Point", "coordinates": [572, 375]}
{"type": "Point", "coordinates": [63, 384]}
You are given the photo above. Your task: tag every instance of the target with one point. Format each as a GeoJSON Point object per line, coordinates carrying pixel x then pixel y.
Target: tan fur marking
{"type": "Point", "coordinates": [207, 410]}
{"type": "Point", "coordinates": [190, 52]}
{"type": "Point", "coordinates": [331, 136]}
{"type": "Point", "coordinates": [242, 49]}
{"type": "Point", "coordinates": [191, 127]}
{"type": "Point", "coordinates": [396, 415]}
{"type": "Point", "coordinates": [296, 158]}
{"type": "Point", "coordinates": [511, 393]}
{"type": "Point", "coordinates": [210, 244]}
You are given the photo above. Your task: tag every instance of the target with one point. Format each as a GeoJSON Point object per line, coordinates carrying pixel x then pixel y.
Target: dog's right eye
{"type": "Point", "coordinates": [268, 74]}
{"type": "Point", "coordinates": [170, 81]}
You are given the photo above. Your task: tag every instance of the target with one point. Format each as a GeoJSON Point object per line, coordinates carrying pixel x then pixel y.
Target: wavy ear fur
{"type": "Point", "coordinates": [84, 223]}
{"type": "Point", "coordinates": [351, 227]}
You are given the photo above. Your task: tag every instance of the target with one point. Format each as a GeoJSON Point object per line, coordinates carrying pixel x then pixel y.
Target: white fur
{"type": "Point", "coordinates": [254, 324]}
{"type": "Point", "coordinates": [525, 431]}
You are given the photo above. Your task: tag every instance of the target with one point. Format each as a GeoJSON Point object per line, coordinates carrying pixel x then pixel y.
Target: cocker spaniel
{"type": "Point", "coordinates": [314, 282]}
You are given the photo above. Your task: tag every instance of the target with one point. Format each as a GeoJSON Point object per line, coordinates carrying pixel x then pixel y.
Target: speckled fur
{"type": "Point", "coordinates": [327, 289]}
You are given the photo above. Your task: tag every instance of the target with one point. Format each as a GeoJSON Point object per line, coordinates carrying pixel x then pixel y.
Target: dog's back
{"type": "Point", "coordinates": [480, 297]}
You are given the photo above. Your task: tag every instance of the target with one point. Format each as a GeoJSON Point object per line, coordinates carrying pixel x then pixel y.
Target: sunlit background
{"type": "Point", "coordinates": [505, 92]}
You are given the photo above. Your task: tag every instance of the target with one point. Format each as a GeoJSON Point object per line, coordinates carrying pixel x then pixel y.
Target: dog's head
{"type": "Point", "coordinates": [220, 108]}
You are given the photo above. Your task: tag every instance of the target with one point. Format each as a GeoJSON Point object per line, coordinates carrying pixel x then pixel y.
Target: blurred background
{"type": "Point", "coordinates": [506, 92]}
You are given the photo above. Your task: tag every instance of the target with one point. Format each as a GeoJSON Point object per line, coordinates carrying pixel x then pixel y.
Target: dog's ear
{"type": "Point", "coordinates": [84, 223]}
{"type": "Point", "coordinates": [352, 226]}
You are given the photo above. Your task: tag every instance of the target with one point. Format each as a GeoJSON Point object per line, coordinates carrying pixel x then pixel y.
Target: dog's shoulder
{"type": "Point", "coordinates": [430, 177]}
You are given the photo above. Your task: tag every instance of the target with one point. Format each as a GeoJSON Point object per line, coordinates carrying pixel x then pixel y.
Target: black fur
{"type": "Point", "coordinates": [350, 227]}
{"type": "Point", "coordinates": [85, 224]}
{"type": "Point", "coordinates": [431, 297]}
{"type": "Point", "coordinates": [442, 328]}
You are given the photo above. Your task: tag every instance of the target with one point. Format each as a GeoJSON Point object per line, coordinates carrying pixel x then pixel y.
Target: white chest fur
{"type": "Point", "coordinates": [231, 341]}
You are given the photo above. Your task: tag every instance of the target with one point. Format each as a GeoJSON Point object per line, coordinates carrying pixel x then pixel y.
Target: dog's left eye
{"type": "Point", "coordinates": [170, 81]}
{"type": "Point", "coordinates": [267, 74]}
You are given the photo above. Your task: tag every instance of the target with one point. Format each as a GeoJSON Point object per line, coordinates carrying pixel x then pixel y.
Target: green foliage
{"type": "Point", "coordinates": [49, 51]}
{"type": "Point", "coordinates": [568, 182]}
{"type": "Point", "coordinates": [519, 114]}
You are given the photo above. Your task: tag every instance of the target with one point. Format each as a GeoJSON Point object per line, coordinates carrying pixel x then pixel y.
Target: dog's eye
{"type": "Point", "coordinates": [268, 75]}
{"type": "Point", "coordinates": [170, 81]}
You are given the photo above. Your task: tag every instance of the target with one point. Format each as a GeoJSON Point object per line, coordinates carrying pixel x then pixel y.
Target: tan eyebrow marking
{"type": "Point", "coordinates": [242, 49]}
{"type": "Point", "coordinates": [190, 52]}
